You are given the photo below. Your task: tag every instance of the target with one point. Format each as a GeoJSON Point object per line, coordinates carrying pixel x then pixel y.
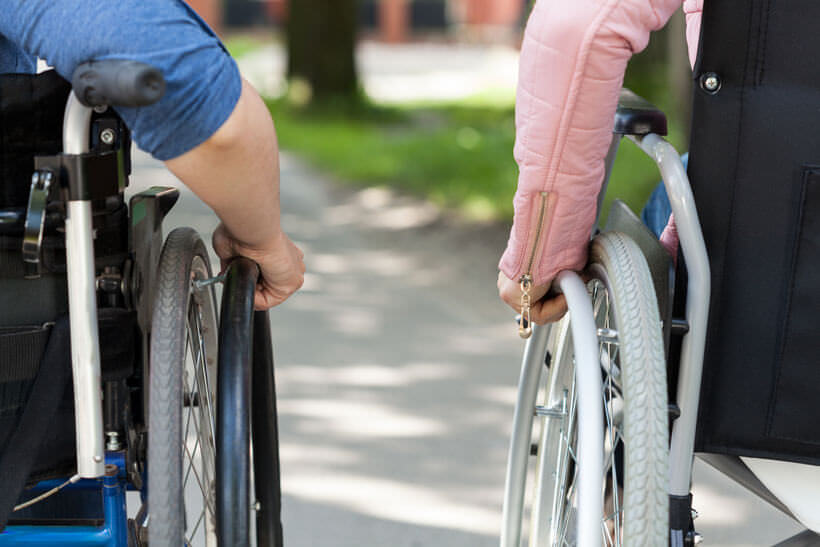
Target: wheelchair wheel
{"type": "Point", "coordinates": [182, 397]}
{"type": "Point", "coordinates": [635, 440]}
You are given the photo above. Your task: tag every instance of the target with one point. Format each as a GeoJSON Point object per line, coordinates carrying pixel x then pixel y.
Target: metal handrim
{"type": "Point", "coordinates": [565, 509]}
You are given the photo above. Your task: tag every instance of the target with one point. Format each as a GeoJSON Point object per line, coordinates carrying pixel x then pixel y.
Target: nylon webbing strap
{"type": "Point", "coordinates": [11, 257]}
{"type": "Point", "coordinates": [20, 352]}
{"type": "Point", "coordinates": [21, 452]}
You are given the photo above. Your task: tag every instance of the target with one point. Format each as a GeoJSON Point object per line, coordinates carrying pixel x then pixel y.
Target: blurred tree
{"type": "Point", "coordinates": [679, 72]}
{"type": "Point", "coordinates": [321, 38]}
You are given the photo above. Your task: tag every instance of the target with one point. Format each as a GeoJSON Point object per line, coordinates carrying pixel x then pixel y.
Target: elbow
{"type": "Point", "coordinates": [250, 121]}
{"type": "Point", "coordinates": [249, 127]}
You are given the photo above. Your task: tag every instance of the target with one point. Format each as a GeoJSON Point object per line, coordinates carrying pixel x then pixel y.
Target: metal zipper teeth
{"type": "Point", "coordinates": [538, 229]}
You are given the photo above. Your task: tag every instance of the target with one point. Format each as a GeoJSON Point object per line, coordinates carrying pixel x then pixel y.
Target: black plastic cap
{"type": "Point", "coordinates": [117, 82]}
{"type": "Point", "coordinates": [637, 116]}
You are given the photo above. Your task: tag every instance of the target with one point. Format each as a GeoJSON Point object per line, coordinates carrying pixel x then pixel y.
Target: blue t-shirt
{"type": "Point", "coordinates": [202, 80]}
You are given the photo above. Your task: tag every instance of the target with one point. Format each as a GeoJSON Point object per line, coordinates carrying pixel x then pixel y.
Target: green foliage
{"type": "Point", "coordinates": [458, 155]}
{"type": "Point", "coordinates": [240, 45]}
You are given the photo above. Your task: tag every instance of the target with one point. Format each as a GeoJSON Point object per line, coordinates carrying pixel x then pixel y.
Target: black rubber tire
{"type": "Point", "coordinates": [184, 259]}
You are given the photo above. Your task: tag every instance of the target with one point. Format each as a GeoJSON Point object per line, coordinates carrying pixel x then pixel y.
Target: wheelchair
{"type": "Point", "coordinates": [612, 427]}
{"type": "Point", "coordinates": [119, 373]}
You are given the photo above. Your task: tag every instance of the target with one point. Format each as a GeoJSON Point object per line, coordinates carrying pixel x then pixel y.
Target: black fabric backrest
{"type": "Point", "coordinates": [755, 170]}
{"type": "Point", "coordinates": [31, 122]}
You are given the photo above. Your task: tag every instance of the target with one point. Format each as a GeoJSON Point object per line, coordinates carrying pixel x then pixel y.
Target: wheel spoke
{"type": "Point", "coordinates": [201, 486]}
{"type": "Point", "coordinates": [190, 464]}
{"type": "Point", "coordinates": [203, 384]}
{"type": "Point", "coordinates": [196, 526]}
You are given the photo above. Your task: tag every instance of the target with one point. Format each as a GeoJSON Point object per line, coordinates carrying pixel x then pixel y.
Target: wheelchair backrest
{"type": "Point", "coordinates": [755, 171]}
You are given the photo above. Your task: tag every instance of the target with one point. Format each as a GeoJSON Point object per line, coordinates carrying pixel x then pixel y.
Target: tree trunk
{"type": "Point", "coordinates": [321, 43]}
{"type": "Point", "coordinates": [679, 73]}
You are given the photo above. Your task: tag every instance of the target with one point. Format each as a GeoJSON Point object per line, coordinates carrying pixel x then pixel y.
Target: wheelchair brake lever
{"type": "Point", "coordinates": [41, 182]}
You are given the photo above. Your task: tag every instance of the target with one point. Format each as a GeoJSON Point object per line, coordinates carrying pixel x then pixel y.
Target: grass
{"type": "Point", "coordinates": [457, 155]}
{"type": "Point", "coordinates": [241, 44]}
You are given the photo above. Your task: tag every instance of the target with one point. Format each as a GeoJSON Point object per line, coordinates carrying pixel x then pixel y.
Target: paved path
{"type": "Point", "coordinates": [396, 371]}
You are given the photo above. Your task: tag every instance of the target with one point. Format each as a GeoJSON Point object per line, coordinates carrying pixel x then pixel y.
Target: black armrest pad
{"type": "Point", "coordinates": [637, 116]}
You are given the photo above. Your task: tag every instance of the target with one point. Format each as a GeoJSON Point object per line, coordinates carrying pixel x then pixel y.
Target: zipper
{"type": "Point", "coordinates": [525, 281]}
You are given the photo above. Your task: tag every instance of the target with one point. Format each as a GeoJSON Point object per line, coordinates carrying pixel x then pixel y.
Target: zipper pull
{"type": "Point", "coordinates": [525, 324]}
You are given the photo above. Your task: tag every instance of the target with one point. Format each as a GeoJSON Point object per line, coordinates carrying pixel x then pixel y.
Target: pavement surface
{"type": "Point", "coordinates": [397, 371]}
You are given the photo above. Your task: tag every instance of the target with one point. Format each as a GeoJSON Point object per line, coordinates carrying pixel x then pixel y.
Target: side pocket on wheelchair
{"type": "Point", "coordinates": [21, 349]}
{"type": "Point", "coordinates": [37, 398]}
{"type": "Point", "coordinates": [796, 388]}
{"type": "Point", "coordinates": [36, 420]}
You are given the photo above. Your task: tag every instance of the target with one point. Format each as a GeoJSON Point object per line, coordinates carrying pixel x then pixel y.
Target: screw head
{"type": "Point", "coordinates": [693, 538]}
{"type": "Point", "coordinates": [107, 136]}
{"type": "Point", "coordinates": [710, 82]}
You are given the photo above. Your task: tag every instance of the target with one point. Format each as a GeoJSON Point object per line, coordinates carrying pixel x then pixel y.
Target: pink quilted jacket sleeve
{"type": "Point", "coordinates": [572, 64]}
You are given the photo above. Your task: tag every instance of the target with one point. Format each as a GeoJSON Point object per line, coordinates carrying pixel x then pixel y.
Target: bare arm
{"type": "Point", "coordinates": [236, 172]}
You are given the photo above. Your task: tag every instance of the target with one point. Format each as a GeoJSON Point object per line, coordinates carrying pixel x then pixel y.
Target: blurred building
{"type": "Point", "coordinates": [400, 20]}
{"type": "Point", "coordinates": [388, 20]}
{"type": "Point", "coordinates": [210, 11]}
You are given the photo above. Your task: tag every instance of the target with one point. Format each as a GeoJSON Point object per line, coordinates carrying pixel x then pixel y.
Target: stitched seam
{"type": "Point", "coordinates": [566, 118]}
{"type": "Point", "coordinates": [603, 80]}
{"type": "Point", "coordinates": [572, 96]}
{"type": "Point", "coordinates": [4, 193]}
{"type": "Point", "coordinates": [707, 386]}
{"type": "Point", "coordinates": [539, 99]}
{"type": "Point", "coordinates": [521, 255]}
{"type": "Point", "coordinates": [782, 337]}
{"type": "Point", "coordinates": [542, 45]}
{"type": "Point", "coordinates": [765, 41]}
{"type": "Point", "coordinates": [658, 19]}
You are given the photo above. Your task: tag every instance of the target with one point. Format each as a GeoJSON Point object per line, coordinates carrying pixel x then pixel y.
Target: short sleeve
{"type": "Point", "coordinates": [203, 81]}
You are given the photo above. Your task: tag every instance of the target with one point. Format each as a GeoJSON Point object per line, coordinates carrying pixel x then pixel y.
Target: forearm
{"type": "Point", "coordinates": [572, 64]}
{"type": "Point", "coordinates": [236, 172]}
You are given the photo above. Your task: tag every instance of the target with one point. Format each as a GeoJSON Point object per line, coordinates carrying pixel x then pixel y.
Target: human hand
{"type": "Point", "coordinates": [281, 265]}
{"type": "Point", "coordinates": [542, 310]}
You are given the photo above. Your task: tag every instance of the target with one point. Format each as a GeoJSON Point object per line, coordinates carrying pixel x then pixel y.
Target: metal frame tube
{"type": "Point", "coordinates": [697, 308]}
{"type": "Point", "coordinates": [82, 305]}
{"type": "Point", "coordinates": [76, 127]}
{"type": "Point", "coordinates": [609, 162]}
{"type": "Point", "coordinates": [85, 344]}
{"type": "Point", "coordinates": [515, 486]}
{"type": "Point", "coordinates": [590, 409]}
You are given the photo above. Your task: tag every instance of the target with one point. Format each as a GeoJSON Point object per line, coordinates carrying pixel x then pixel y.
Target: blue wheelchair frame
{"type": "Point", "coordinates": [112, 533]}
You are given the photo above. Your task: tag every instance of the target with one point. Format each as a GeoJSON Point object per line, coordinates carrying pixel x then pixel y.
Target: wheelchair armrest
{"type": "Point", "coordinates": [637, 116]}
